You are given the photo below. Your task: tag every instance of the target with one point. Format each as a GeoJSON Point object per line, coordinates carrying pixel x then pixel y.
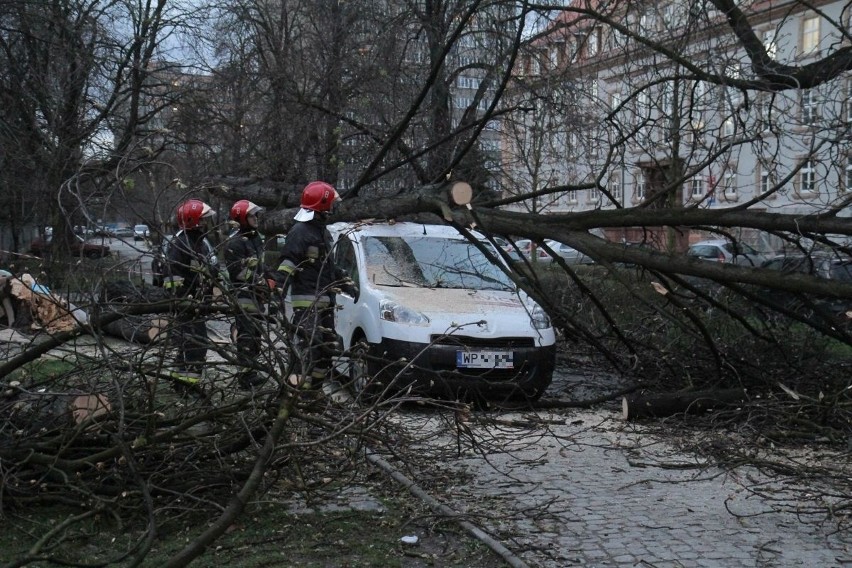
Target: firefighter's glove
{"type": "Point", "coordinates": [348, 287]}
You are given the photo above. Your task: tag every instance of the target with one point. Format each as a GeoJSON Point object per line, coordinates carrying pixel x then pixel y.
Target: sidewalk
{"type": "Point", "coordinates": [596, 491]}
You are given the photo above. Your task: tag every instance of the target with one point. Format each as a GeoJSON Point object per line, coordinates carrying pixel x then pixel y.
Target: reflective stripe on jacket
{"type": "Point", "coordinates": [305, 259]}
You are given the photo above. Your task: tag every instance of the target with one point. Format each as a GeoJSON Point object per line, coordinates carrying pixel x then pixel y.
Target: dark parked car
{"type": "Point", "coordinates": [822, 265]}
{"type": "Point", "coordinates": [79, 247]}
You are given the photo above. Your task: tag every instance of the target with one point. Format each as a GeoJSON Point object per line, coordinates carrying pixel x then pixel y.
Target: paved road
{"type": "Point", "coordinates": [129, 255]}
{"type": "Point", "coordinates": [584, 488]}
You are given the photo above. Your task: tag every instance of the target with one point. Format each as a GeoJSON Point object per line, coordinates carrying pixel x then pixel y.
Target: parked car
{"type": "Point", "coordinates": [821, 264]}
{"type": "Point", "coordinates": [79, 247]}
{"type": "Point", "coordinates": [123, 232]}
{"type": "Point", "coordinates": [433, 313]}
{"type": "Point", "coordinates": [721, 250]}
{"type": "Point", "coordinates": [532, 251]}
{"type": "Point", "coordinates": [104, 231]}
{"type": "Point", "coordinates": [141, 232]}
{"type": "Point", "coordinates": [568, 253]}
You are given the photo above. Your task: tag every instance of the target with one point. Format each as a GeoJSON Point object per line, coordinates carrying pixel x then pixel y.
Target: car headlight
{"type": "Point", "coordinates": [539, 318]}
{"type": "Point", "coordinates": [391, 311]}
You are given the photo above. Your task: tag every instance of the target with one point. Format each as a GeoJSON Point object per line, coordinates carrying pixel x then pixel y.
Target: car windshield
{"type": "Point", "coordinates": [431, 262]}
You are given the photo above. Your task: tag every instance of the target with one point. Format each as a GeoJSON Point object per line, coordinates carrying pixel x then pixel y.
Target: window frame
{"type": "Point", "coordinates": [730, 189]}
{"type": "Point", "coordinates": [696, 187]}
{"type": "Point", "coordinates": [806, 177]}
{"type": "Point", "coordinates": [809, 108]}
{"type": "Point", "coordinates": [640, 187]}
{"type": "Point", "coordinates": [809, 39]}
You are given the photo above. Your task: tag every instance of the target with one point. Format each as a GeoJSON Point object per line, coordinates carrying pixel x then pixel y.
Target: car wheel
{"type": "Point", "coordinates": [364, 383]}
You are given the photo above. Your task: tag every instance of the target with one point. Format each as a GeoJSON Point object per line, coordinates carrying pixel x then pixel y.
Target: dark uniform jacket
{"type": "Point", "coordinates": [244, 252]}
{"type": "Point", "coordinates": [305, 259]}
{"type": "Point", "coordinates": [244, 262]}
{"type": "Point", "coordinates": [192, 267]}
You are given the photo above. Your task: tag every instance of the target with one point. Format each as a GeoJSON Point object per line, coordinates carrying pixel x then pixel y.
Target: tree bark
{"type": "Point", "coordinates": [667, 404]}
{"type": "Point", "coordinates": [139, 329]}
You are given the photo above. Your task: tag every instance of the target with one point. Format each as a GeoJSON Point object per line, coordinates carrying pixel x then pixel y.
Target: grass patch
{"type": "Point", "coordinates": [44, 369]}
{"type": "Point", "coordinates": [268, 534]}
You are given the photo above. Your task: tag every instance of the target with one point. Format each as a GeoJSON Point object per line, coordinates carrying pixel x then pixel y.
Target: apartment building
{"type": "Point", "coordinates": [658, 104]}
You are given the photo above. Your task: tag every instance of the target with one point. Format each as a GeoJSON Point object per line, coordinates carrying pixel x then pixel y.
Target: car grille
{"type": "Point", "coordinates": [491, 342]}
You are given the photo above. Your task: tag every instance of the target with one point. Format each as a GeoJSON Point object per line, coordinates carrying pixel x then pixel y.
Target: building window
{"type": "Point", "coordinates": [763, 109]}
{"type": "Point", "coordinates": [733, 93]}
{"type": "Point", "coordinates": [615, 101]}
{"type": "Point", "coordinates": [666, 99]}
{"type": "Point", "coordinates": [594, 195]}
{"type": "Point", "coordinates": [697, 98]}
{"type": "Point", "coordinates": [847, 185]}
{"type": "Point", "coordinates": [810, 35]}
{"type": "Point", "coordinates": [729, 183]}
{"type": "Point", "coordinates": [672, 15]}
{"type": "Point", "coordinates": [593, 44]}
{"type": "Point", "coordinates": [553, 55]}
{"type": "Point", "coordinates": [728, 127]}
{"type": "Point", "coordinates": [810, 107]}
{"type": "Point", "coordinates": [695, 132]}
{"type": "Point", "coordinates": [697, 185]}
{"type": "Point", "coordinates": [617, 38]}
{"type": "Point", "coordinates": [807, 177]}
{"type": "Point", "coordinates": [616, 189]}
{"type": "Point", "coordinates": [648, 21]}
{"type": "Point", "coordinates": [770, 43]}
{"type": "Point", "coordinates": [572, 196]}
{"type": "Point", "coordinates": [639, 193]}
{"type": "Point", "coordinates": [765, 183]}
{"type": "Point", "coordinates": [848, 106]}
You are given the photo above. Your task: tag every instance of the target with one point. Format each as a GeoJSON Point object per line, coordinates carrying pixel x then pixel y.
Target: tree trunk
{"type": "Point", "coordinates": [666, 404]}
{"type": "Point", "coordinates": [140, 329]}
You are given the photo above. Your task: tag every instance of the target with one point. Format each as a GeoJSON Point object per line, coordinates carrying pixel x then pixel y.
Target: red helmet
{"type": "Point", "coordinates": [318, 196]}
{"type": "Point", "coordinates": [191, 212]}
{"type": "Point", "coordinates": [242, 209]}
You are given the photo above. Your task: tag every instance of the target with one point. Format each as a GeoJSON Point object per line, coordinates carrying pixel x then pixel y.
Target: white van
{"type": "Point", "coordinates": [437, 315]}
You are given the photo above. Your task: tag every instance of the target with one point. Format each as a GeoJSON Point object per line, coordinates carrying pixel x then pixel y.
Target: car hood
{"type": "Point", "coordinates": [502, 311]}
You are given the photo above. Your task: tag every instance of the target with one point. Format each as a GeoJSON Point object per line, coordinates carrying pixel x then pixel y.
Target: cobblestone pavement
{"type": "Point", "coordinates": [588, 489]}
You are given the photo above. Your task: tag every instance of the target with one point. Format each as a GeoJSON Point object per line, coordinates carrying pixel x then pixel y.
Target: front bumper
{"type": "Point", "coordinates": [432, 368]}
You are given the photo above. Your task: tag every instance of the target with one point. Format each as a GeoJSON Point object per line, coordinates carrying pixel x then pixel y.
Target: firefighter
{"type": "Point", "coordinates": [313, 278]}
{"type": "Point", "coordinates": [191, 273]}
{"type": "Point", "coordinates": [252, 284]}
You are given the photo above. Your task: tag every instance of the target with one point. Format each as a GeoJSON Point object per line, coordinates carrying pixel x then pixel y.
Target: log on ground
{"type": "Point", "coordinates": [667, 404]}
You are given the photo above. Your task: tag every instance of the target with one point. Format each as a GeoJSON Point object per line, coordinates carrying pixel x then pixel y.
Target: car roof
{"type": "Point", "coordinates": [711, 242]}
{"type": "Point", "coordinates": [402, 229]}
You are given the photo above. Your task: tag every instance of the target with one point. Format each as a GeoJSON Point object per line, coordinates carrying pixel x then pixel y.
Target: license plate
{"type": "Point", "coordinates": [485, 359]}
